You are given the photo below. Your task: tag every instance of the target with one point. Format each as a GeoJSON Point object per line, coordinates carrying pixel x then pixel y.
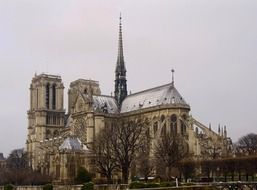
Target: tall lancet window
{"type": "Point", "coordinates": [54, 97]}
{"type": "Point", "coordinates": [173, 123]}
{"type": "Point", "coordinates": [47, 95]}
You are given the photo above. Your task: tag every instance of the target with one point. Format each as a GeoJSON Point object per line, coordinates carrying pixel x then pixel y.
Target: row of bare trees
{"type": "Point", "coordinates": [124, 144]}
{"type": "Point", "coordinates": [18, 172]}
{"type": "Point", "coordinates": [246, 145]}
{"type": "Point", "coordinates": [237, 168]}
{"type": "Point", "coordinates": [241, 166]}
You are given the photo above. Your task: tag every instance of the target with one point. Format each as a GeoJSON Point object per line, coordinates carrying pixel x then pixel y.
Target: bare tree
{"type": "Point", "coordinates": [187, 168]}
{"type": "Point", "coordinates": [16, 163]}
{"type": "Point", "coordinates": [126, 140]}
{"type": "Point", "coordinates": [106, 162]}
{"type": "Point", "coordinates": [18, 172]}
{"type": "Point", "coordinates": [169, 150]}
{"type": "Point", "coordinates": [145, 164]}
{"type": "Point", "coordinates": [247, 144]}
{"type": "Point", "coordinates": [17, 159]}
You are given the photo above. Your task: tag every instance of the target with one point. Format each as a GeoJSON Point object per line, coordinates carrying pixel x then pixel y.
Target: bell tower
{"type": "Point", "coordinates": [120, 91]}
{"type": "Point", "coordinates": [46, 113]}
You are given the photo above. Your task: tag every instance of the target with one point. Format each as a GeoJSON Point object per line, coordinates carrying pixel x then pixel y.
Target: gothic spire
{"type": "Point", "coordinates": [120, 66]}
{"type": "Point", "coordinates": [120, 72]}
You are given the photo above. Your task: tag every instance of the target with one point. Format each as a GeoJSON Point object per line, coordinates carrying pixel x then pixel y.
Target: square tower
{"type": "Point", "coordinates": [46, 113]}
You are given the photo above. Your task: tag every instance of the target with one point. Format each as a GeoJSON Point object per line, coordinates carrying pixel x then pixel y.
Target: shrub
{"type": "Point", "coordinates": [48, 187]}
{"type": "Point", "coordinates": [188, 184]}
{"type": "Point", "coordinates": [168, 184]}
{"type": "Point", "coordinates": [8, 187]}
{"type": "Point", "coordinates": [88, 186]}
{"type": "Point", "coordinates": [152, 185]}
{"type": "Point", "coordinates": [83, 176]}
{"type": "Point", "coordinates": [136, 185]}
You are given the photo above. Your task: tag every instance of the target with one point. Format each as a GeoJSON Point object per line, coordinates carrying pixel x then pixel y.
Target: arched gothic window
{"type": "Point", "coordinates": [47, 95]}
{"type": "Point", "coordinates": [162, 118]}
{"type": "Point", "coordinates": [155, 127]}
{"type": "Point", "coordinates": [163, 125]}
{"type": "Point", "coordinates": [37, 98]}
{"type": "Point", "coordinates": [54, 96]}
{"type": "Point", "coordinates": [183, 124]}
{"type": "Point", "coordinates": [173, 123]}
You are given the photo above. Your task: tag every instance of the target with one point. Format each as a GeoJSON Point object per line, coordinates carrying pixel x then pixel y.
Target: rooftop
{"type": "Point", "coordinates": [161, 95]}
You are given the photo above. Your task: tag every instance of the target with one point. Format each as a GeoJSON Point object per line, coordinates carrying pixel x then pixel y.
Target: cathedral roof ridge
{"type": "Point", "coordinates": [106, 104]}
{"type": "Point", "coordinates": [44, 75]}
{"type": "Point", "coordinates": [103, 95]}
{"type": "Point", "coordinates": [150, 89]}
{"type": "Point", "coordinates": [84, 80]}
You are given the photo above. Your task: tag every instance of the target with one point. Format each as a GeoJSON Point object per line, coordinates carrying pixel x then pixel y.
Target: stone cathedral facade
{"type": "Point", "coordinates": [58, 143]}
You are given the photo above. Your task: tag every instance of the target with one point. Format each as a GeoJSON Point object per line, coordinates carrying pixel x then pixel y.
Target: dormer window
{"type": "Point", "coordinates": [173, 100]}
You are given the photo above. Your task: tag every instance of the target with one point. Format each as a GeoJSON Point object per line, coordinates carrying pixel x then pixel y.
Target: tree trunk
{"type": "Point", "coordinates": [109, 179]}
{"type": "Point", "coordinates": [125, 175]}
{"type": "Point", "coordinates": [146, 178]}
{"type": "Point", "coordinates": [232, 176]}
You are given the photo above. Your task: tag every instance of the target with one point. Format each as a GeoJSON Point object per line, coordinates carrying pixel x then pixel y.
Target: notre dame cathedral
{"type": "Point", "coordinates": [59, 142]}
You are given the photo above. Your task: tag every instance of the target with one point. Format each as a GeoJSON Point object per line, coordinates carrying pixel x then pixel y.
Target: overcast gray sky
{"type": "Point", "coordinates": [211, 44]}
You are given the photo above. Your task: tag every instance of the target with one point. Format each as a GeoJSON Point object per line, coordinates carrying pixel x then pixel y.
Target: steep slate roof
{"type": "Point", "coordinates": [162, 95]}
{"type": "Point", "coordinates": [72, 143]}
{"type": "Point", "coordinates": [105, 104]}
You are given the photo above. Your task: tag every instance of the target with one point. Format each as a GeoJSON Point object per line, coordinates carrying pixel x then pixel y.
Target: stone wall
{"type": "Point", "coordinates": [110, 187]}
{"type": "Point", "coordinates": [57, 187]}
{"type": "Point", "coordinates": [71, 187]}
